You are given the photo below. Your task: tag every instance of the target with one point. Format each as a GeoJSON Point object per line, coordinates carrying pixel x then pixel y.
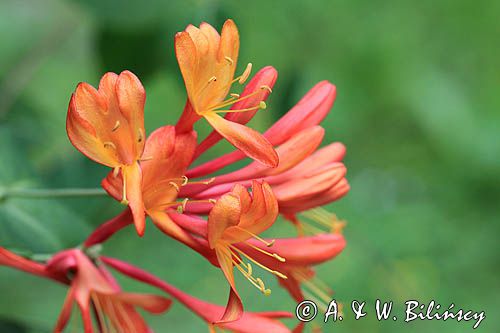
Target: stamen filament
{"type": "Point", "coordinates": [124, 193]}
{"type": "Point", "coordinates": [231, 100]}
{"type": "Point", "coordinates": [281, 275]}
{"type": "Point", "coordinates": [268, 244]}
{"type": "Point", "coordinates": [274, 255]}
{"type": "Point", "coordinates": [99, 313]}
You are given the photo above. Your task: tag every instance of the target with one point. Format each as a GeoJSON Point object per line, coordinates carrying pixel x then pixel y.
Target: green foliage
{"type": "Point", "coordinates": [417, 108]}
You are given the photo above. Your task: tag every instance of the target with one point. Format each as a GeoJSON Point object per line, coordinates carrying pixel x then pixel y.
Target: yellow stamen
{"type": "Point", "coordinates": [266, 87]}
{"type": "Point", "coordinates": [117, 124]}
{"type": "Point", "coordinates": [232, 100]}
{"type": "Point", "coordinates": [323, 219]}
{"type": "Point", "coordinates": [274, 255]}
{"type": "Point", "coordinates": [109, 144]}
{"type": "Point", "coordinates": [245, 74]}
{"type": "Point", "coordinates": [231, 61]}
{"type": "Point", "coordinates": [124, 193]}
{"type": "Point", "coordinates": [281, 275]}
{"type": "Point", "coordinates": [140, 135]}
{"type": "Point", "coordinates": [268, 244]}
{"type": "Point", "coordinates": [175, 186]}
{"type": "Point", "coordinates": [116, 170]}
{"type": "Point", "coordinates": [234, 95]}
{"type": "Point", "coordinates": [145, 159]}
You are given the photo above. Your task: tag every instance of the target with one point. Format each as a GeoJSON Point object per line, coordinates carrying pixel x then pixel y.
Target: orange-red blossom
{"type": "Point", "coordinates": [107, 125]}
{"type": "Point", "coordinates": [208, 62]}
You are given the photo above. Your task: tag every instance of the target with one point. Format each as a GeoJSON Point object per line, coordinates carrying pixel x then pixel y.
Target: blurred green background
{"type": "Point", "coordinates": [418, 108]}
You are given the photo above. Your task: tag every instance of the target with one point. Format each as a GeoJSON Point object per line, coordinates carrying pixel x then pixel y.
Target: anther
{"type": "Point", "coordinates": [117, 124]}
{"type": "Point", "coordinates": [109, 144]}
{"type": "Point", "coordinates": [212, 79]}
{"type": "Point", "coordinates": [212, 201]}
{"type": "Point", "coordinates": [266, 87]}
{"type": "Point", "coordinates": [262, 105]}
{"type": "Point", "coordinates": [140, 135]}
{"type": "Point", "coordinates": [245, 74]}
{"type": "Point", "coordinates": [231, 61]}
{"type": "Point", "coordinates": [207, 182]}
{"type": "Point", "coordinates": [116, 170]}
{"type": "Point", "coordinates": [234, 95]}
{"type": "Point", "coordinates": [184, 204]}
{"type": "Point", "coordinates": [145, 159]}
{"type": "Point", "coordinates": [271, 243]}
{"type": "Point", "coordinates": [279, 258]}
{"type": "Point", "coordinates": [175, 186]}
{"type": "Point", "coordinates": [185, 180]}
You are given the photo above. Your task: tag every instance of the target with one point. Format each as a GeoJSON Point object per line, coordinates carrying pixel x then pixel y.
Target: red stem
{"type": "Point", "coordinates": [187, 119]}
{"type": "Point", "coordinates": [109, 228]}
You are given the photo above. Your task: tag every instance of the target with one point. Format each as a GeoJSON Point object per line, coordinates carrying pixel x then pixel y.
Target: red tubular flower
{"type": "Point", "coordinates": [250, 322]}
{"type": "Point", "coordinates": [107, 125]}
{"type": "Point", "coordinates": [10, 259]}
{"type": "Point", "coordinates": [301, 253]}
{"type": "Point", "coordinates": [93, 289]}
{"type": "Point", "coordinates": [308, 112]}
{"type": "Point", "coordinates": [208, 62]}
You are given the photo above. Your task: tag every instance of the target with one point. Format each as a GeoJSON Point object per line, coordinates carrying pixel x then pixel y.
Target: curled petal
{"type": "Point", "coordinates": [225, 213]}
{"type": "Point", "coordinates": [133, 177]}
{"type": "Point", "coordinates": [249, 141]}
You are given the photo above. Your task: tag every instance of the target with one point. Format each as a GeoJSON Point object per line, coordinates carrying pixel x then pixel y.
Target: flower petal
{"type": "Point", "coordinates": [225, 213]}
{"type": "Point", "coordinates": [133, 178]}
{"type": "Point", "coordinates": [131, 98]}
{"type": "Point", "coordinates": [249, 141]}
{"type": "Point", "coordinates": [151, 303]}
{"type": "Point", "coordinates": [234, 307]}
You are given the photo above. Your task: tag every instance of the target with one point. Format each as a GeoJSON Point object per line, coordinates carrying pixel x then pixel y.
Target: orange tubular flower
{"type": "Point", "coordinates": [94, 289]}
{"type": "Point", "coordinates": [164, 163]}
{"type": "Point", "coordinates": [107, 125]}
{"type": "Point", "coordinates": [236, 218]}
{"type": "Point", "coordinates": [208, 62]}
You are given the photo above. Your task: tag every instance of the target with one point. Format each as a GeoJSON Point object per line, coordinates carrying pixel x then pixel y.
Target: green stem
{"type": "Point", "coordinates": [51, 193]}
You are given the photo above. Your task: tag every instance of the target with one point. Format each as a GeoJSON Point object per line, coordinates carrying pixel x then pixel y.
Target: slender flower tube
{"type": "Point", "coordinates": [107, 125]}
{"type": "Point", "coordinates": [250, 322]}
{"type": "Point", "coordinates": [208, 62]}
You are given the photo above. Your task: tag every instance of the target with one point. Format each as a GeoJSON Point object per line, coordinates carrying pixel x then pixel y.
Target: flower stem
{"type": "Point", "coordinates": [50, 193]}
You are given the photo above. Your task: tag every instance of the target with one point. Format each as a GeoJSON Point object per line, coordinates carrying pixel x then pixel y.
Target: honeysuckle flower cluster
{"type": "Point", "coordinates": [220, 215]}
